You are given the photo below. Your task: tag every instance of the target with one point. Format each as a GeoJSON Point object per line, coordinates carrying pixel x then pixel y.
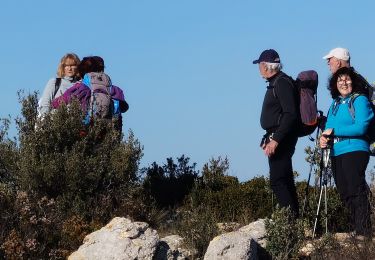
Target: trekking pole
{"type": "Point", "coordinates": [310, 171]}
{"type": "Point", "coordinates": [321, 124]}
{"type": "Point", "coordinates": [323, 187]}
{"type": "Point", "coordinates": [325, 183]}
{"type": "Point", "coordinates": [318, 209]}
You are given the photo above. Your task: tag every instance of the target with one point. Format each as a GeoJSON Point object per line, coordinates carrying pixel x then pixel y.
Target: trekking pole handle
{"type": "Point", "coordinates": [326, 154]}
{"type": "Point", "coordinates": [330, 139]}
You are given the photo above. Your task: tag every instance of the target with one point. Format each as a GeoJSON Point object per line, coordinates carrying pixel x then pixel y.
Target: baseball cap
{"type": "Point", "coordinates": [268, 56]}
{"type": "Point", "coordinates": [339, 53]}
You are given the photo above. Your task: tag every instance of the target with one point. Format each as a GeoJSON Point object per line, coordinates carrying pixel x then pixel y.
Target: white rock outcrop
{"type": "Point", "coordinates": [171, 248]}
{"type": "Point", "coordinates": [120, 239]}
{"type": "Point", "coordinates": [242, 244]}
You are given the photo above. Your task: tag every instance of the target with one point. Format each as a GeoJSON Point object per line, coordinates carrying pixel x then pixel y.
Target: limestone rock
{"type": "Point", "coordinates": [242, 244]}
{"type": "Point", "coordinates": [120, 239]}
{"type": "Point", "coordinates": [227, 227]}
{"type": "Point", "coordinates": [171, 248]}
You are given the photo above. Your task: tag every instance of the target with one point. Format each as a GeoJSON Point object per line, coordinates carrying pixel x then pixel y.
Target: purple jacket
{"type": "Point", "coordinates": [83, 94]}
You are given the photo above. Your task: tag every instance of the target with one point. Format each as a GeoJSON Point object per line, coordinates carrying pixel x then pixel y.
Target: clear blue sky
{"type": "Point", "coordinates": [185, 66]}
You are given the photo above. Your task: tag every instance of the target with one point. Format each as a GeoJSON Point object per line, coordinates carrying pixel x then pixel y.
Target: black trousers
{"type": "Point", "coordinates": [281, 174]}
{"type": "Point", "coordinates": [349, 172]}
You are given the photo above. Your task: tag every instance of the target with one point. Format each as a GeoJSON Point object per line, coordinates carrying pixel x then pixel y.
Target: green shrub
{"type": "Point", "coordinates": [284, 234]}
{"type": "Point", "coordinates": [258, 197]}
{"type": "Point", "coordinates": [229, 199]}
{"type": "Point", "coordinates": [63, 175]}
{"type": "Point", "coordinates": [198, 227]}
{"type": "Point", "coordinates": [169, 184]}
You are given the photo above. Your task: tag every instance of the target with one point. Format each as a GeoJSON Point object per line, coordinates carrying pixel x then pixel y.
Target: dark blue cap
{"type": "Point", "coordinates": [268, 56]}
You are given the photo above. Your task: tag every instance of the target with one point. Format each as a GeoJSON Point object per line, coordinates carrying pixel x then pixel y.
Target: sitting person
{"type": "Point", "coordinates": [96, 92]}
{"type": "Point", "coordinates": [67, 75]}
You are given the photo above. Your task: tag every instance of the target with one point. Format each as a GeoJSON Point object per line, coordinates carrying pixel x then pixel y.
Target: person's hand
{"type": "Point", "coordinates": [324, 139]}
{"type": "Point", "coordinates": [270, 148]}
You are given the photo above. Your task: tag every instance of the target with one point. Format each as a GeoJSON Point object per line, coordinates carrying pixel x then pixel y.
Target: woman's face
{"type": "Point", "coordinates": [70, 68]}
{"type": "Point", "coordinates": [344, 85]}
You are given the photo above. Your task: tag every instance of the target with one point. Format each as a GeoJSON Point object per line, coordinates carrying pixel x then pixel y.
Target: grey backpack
{"type": "Point", "coordinates": [101, 103]}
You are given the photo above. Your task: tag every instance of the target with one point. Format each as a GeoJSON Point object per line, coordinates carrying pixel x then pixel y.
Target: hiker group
{"type": "Point", "coordinates": [289, 111]}
{"type": "Point", "coordinates": [86, 82]}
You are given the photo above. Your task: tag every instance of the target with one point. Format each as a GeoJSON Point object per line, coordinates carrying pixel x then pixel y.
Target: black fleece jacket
{"type": "Point", "coordinates": [280, 107]}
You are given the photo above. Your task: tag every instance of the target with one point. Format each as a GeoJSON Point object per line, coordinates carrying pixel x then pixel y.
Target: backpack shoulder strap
{"type": "Point", "coordinates": [351, 104]}
{"type": "Point", "coordinates": [57, 86]}
{"type": "Point", "coordinates": [281, 75]}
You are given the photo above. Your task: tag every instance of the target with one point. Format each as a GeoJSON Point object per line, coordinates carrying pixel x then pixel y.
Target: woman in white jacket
{"type": "Point", "coordinates": [67, 75]}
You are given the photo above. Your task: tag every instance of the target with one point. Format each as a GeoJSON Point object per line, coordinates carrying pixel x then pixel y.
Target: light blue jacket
{"type": "Point", "coordinates": [44, 104]}
{"type": "Point", "coordinates": [344, 125]}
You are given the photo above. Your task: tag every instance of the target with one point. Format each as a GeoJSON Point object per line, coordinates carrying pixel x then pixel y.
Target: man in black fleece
{"type": "Point", "coordinates": [279, 119]}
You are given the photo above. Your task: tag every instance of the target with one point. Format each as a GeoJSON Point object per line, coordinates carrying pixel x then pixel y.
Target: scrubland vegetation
{"type": "Point", "coordinates": [60, 181]}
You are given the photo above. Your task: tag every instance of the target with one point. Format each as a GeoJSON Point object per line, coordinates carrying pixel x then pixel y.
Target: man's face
{"type": "Point", "coordinates": [262, 70]}
{"type": "Point", "coordinates": [334, 64]}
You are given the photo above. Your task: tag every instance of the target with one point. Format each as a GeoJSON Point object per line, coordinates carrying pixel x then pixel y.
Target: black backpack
{"type": "Point", "coordinates": [57, 86]}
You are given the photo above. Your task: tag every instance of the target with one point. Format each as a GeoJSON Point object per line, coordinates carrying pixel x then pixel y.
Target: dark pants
{"type": "Point", "coordinates": [349, 171]}
{"type": "Point", "coordinates": [281, 174]}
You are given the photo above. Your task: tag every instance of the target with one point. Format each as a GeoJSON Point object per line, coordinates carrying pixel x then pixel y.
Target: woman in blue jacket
{"type": "Point", "coordinates": [346, 129]}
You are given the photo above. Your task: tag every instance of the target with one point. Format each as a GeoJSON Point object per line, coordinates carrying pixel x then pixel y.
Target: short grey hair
{"type": "Point", "coordinates": [273, 67]}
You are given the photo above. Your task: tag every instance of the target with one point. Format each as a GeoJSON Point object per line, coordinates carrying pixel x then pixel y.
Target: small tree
{"type": "Point", "coordinates": [169, 184]}
{"type": "Point", "coordinates": [67, 180]}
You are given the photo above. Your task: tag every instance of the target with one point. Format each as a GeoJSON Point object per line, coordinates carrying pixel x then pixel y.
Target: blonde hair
{"type": "Point", "coordinates": [68, 56]}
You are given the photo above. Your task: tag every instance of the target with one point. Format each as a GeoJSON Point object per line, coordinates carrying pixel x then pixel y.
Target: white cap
{"type": "Point", "coordinates": [339, 53]}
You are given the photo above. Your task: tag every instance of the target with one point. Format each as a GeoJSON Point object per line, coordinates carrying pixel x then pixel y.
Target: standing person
{"type": "Point", "coordinates": [67, 75]}
{"type": "Point", "coordinates": [340, 58]}
{"type": "Point", "coordinates": [279, 119]}
{"type": "Point", "coordinates": [337, 58]}
{"type": "Point", "coordinates": [350, 151]}
{"type": "Point", "coordinates": [83, 91]}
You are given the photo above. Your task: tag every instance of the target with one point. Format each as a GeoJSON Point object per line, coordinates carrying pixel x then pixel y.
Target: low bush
{"type": "Point", "coordinates": [62, 180]}
{"type": "Point", "coordinates": [168, 185]}
{"type": "Point", "coordinates": [284, 234]}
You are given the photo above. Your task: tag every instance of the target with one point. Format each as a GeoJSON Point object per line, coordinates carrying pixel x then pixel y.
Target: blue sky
{"type": "Point", "coordinates": [185, 66]}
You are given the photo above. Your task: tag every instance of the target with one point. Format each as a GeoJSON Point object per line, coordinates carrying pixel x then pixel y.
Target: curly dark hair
{"type": "Point", "coordinates": [91, 64]}
{"type": "Point", "coordinates": [357, 86]}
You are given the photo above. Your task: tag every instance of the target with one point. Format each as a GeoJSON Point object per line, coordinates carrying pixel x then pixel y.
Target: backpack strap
{"type": "Point", "coordinates": [351, 104]}
{"type": "Point", "coordinates": [57, 86]}
{"type": "Point", "coordinates": [281, 75]}
{"type": "Point", "coordinates": [352, 114]}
